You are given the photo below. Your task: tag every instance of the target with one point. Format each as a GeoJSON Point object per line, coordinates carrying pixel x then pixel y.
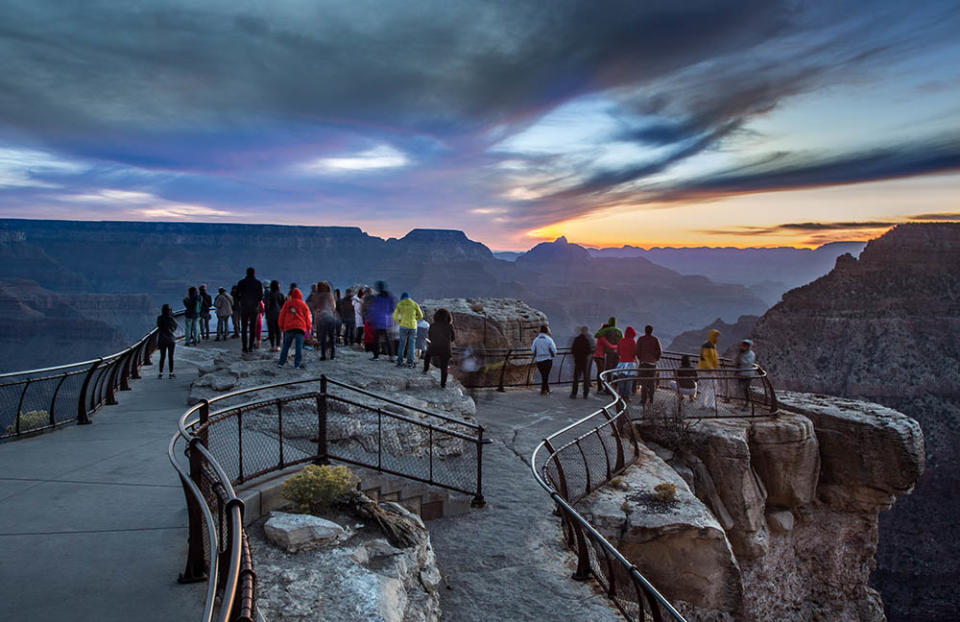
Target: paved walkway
{"type": "Point", "coordinates": [507, 561]}
{"type": "Point", "coordinates": [93, 519]}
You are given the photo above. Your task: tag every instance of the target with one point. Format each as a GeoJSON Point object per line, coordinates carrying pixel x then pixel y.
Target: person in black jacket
{"type": "Point", "coordinates": [166, 338]}
{"type": "Point", "coordinates": [235, 296]}
{"type": "Point", "coordinates": [192, 304]}
{"type": "Point", "coordinates": [273, 303]}
{"type": "Point", "coordinates": [206, 301]}
{"type": "Point", "coordinates": [250, 290]}
{"type": "Point", "coordinates": [348, 318]}
{"type": "Point", "coordinates": [582, 350]}
{"type": "Point", "coordinates": [440, 336]}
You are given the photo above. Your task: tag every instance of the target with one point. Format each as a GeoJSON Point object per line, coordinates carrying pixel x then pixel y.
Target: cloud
{"type": "Point", "coordinates": [940, 216]}
{"type": "Point", "coordinates": [379, 157]}
{"type": "Point", "coordinates": [144, 205]}
{"type": "Point", "coordinates": [793, 228]}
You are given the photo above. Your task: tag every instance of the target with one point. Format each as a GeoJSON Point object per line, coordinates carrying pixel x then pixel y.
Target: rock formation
{"type": "Point", "coordinates": [730, 336]}
{"type": "Point", "coordinates": [775, 518]}
{"type": "Point", "coordinates": [884, 327]}
{"type": "Point", "coordinates": [490, 323]}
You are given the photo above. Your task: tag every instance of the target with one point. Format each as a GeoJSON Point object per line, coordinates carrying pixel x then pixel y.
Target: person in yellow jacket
{"type": "Point", "coordinates": [709, 359]}
{"type": "Point", "coordinates": [406, 315]}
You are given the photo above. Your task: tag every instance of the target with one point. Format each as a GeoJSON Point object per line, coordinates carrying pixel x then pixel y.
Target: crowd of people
{"type": "Point", "coordinates": [373, 319]}
{"type": "Point", "coordinates": [638, 359]}
{"type": "Point", "coordinates": [368, 318]}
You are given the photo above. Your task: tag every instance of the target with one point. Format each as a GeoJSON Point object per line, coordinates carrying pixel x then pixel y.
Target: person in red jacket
{"type": "Point", "coordinates": [295, 321]}
{"type": "Point", "coordinates": [648, 354]}
{"type": "Point", "coordinates": [627, 352]}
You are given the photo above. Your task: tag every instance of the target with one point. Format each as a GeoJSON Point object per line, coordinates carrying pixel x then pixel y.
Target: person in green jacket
{"type": "Point", "coordinates": [406, 315]}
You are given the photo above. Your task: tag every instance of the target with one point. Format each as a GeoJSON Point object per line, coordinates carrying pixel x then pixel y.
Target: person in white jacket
{"type": "Point", "coordinates": [544, 349]}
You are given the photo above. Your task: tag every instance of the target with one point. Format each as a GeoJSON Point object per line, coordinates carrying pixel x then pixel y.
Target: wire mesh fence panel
{"type": "Point", "coordinates": [67, 402]}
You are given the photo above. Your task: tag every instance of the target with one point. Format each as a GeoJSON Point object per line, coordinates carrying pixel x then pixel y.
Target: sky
{"type": "Point", "coordinates": [655, 123]}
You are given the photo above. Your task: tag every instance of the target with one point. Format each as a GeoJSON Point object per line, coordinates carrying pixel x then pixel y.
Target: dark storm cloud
{"type": "Point", "coordinates": [940, 216]}
{"type": "Point", "coordinates": [804, 227]}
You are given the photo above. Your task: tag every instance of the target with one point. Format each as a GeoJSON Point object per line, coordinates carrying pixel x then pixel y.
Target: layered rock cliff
{"type": "Point", "coordinates": [775, 518]}
{"type": "Point", "coordinates": [884, 327]}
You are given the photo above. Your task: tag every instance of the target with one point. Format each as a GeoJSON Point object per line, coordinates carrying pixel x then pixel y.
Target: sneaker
{"type": "Point", "coordinates": [172, 375]}
{"type": "Point", "coordinates": [323, 358]}
{"type": "Point", "coordinates": [160, 376]}
{"type": "Point", "coordinates": [280, 365]}
{"type": "Point", "coordinates": [374, 358]}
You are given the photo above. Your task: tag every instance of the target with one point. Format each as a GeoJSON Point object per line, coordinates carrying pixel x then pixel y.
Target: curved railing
{"type": "Point", "coordinates": [584, 456]}
{"type": "Point", "coordinates": [259, 432]}
{"type": "Point", "coordinates": [505, 368]}
{"type": "Point", "coordinates": [36, 400]}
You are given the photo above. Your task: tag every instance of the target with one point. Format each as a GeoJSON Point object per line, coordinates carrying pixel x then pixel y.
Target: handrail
{"type": "Point", "coordinates": [53, 399]}
{"type": "Point", "coordinates": [581, 529]}
{"type": "Point", "coordinates": [232, 577]}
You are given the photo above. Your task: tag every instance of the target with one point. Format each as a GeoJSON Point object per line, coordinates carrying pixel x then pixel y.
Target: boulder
{"type": "Point", "coordinates": [299, 532]}
{"type": "Point", "coordinates": [869, 454]}
{"type": "Point", "coordinates": [490, 322]}
{"type": "Point", "coordinates": [678, 545]}
{"type": "Point", "coordinates": [785, 454]}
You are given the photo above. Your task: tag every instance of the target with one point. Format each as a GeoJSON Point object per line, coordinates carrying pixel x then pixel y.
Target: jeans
{"type": "Point", "coordinates": [327, 333]}
{"type": "Point", "coordinates": [442, 361]}
{"type": "Point", "coordinates": [408, 340]}
{"type": "Point", "coordinates": [545, 367]}
{"type": "Point", "coordinates": [248, 319]}
{"type": "Point", "coordinates": [223, 327]}
{"type": "Point", "coordinates": [581, 368]}
{"type": "Point", "coordinates": [273, 325]}
{"type": "Point", "coordinates": [192, 336]}
{"type": "Point", "coordinates": [294, 337]}
{"type": "Point", "coordinates": [648, 382]}
{"type": "Point", "coordinates": [625, 389]}
{"type": "Point", "coordinates": [205, 326]}
{"type": "Point", "coordinates": [166, 352]}
{"type": "Point", "coordinates": [349, 333]}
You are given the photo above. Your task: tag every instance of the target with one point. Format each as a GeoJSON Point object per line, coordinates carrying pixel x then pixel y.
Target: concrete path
{"type": "Point", "coordinates": [507, 561]}
{"type": "Point", "coordinates": [93, 519]}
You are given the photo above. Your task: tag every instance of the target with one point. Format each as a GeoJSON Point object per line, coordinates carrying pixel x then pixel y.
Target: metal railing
{"type": "Point", "coordinates": [506, 368]}
{"type": "Point", "coordinates": [36, 400]}
{"type": "Point", "coordinates": [293, 423]}
{"type": "Point", "coordinates": [577, 460]}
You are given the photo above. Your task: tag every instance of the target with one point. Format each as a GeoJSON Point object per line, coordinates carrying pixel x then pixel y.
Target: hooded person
{"type": "Point", "coordinates": [710, 361]}
{"type": "Point", "coordinates": [610, 331]}
{"type": "Point", "coordinates": [746, 364]}
{"type": "Point", "coordinates": [406, 314]}
{"type": "Point", "coordinates": [381, 317]}
{"type": "Point", "coordinates": [440, 338]}
{"type": "Point", "coordinates": [627, 355]}
{"type": "Point", "coordinates": [295, 321]}
{"type": "Point", "coordinates": [166, 338]}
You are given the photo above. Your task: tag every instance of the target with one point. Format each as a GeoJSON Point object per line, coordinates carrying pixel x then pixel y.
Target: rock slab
{"type": "Point", "coordinates": [299, 532]}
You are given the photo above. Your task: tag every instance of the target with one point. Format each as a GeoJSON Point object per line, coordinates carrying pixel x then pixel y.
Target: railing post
{"type": "Point", "coordinates": [151, 348]}
{"type": "Point", "coordinates": [503, 371]}
{"type": "Point", "coordinates": [82, 416]}
{"type": "Point", "coordinates": [204, 434]}
{"type": "Point", "coordinates": [478, 500]}
{"type": "Point", "coordinates": [196, 568]}
{"type": "Point", "coordinates": [125, 371]}
{"type": "Point", "coordinates": [112, 383]}
{"type": "Point", "coordinates": [321, 457]}
{"type": "Point", "coordinates": [582, 573]}
{"type": "Point", "coordinates": [23, 394]}
{"type": "Point", "coordinates": [53, 400]}
{"type": "Point", "coordinates": [135, 358]}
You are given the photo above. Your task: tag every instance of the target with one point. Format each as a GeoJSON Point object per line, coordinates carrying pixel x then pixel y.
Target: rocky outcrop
{"type": "Point", "coordinates": [783, 512]}
{"type": "Point", "coordinates": [494, 323]}
{"type": "Point", "coordinates": [884, 328]}
{"type": "Point", "coordinates": [358, 576]}
{"type": "Point", "coordinates": [730, 335]}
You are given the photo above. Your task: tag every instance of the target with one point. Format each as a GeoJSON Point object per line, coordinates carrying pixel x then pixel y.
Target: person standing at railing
{"type": "Point", "coordinates": [205, 303]}
{"type": "Point", "coordinates": [358, 315]}
{"type": "Point", "coordinates": [603, 350]}
{"type": "Point", "coordinates": [648, 355]}
{"type": "Point", "coordinates": [627, 355]}
{"type": "Point", "coordinates": [440, 336]}
{"type": "Point", "coordinates": [295, 321]}
{"type": "Point", "coordinates": [191, 305]}
{"type": "Point", "coordinates": [544, 349]}
{"type": "Point", "coordinates": [273, 301]}
{"type": "Point", "coordinates": [224, 306]}
{"type": "Point", "coordinates": [166, 338]}
{"type": "Point", "coordinates": [235, 299]}
{"type": "Point", "coordinates": [406, 314]}
{"type": "Point", "coordinates": [710, 361]}
{"type": "Point", "coordinates": [581, 349]}
{"type": "Point", "coordinates": [348, 318]}
{"type": "Point", "coordinates": [325, 317]}
{"type": "Point", "coordinates": [250, 292]}
{"type": "Point", "coordinates": [613, 335]}
{"type": "Point", "coordinates": [381, 316]}
{"type": "Point", "coordinates": [746, 363]}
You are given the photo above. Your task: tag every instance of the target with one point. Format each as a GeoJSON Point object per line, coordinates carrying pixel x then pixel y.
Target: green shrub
{"type": "Point", "coordinates": [315, 488]}
{"type": "Point", "coordinates": [30, 420]}
{"type": "Point", "coordinates": [667, 491]}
